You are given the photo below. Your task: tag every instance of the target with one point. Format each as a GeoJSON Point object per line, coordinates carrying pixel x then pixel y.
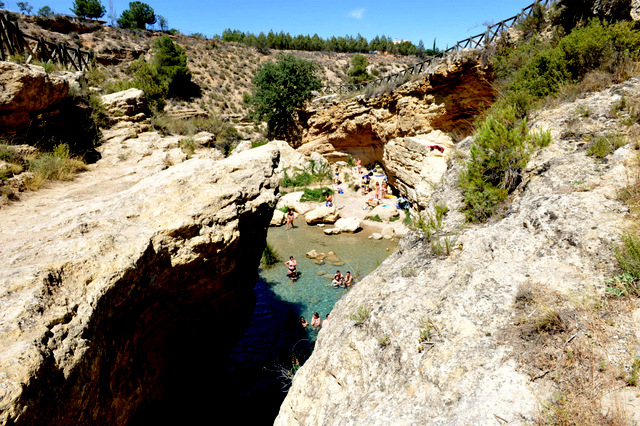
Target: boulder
{"type": "Point", "coordinates": [292, 200]}
{"type": "Point", "coordinates": [388, 232]}
{"type": "Point", "coordinates": [348, 224]}
{"type": "Point", "coordinates": [384, 213]}
{"type": "Point", "coordinates": [322, 215]}
{"type": "Point", "coordinates": [128, 103]}
{"type": "Point", "coordinates": [331, 231]}
{"type": "Point", "coordinates": [26, 90]}
{"type": "Point", "coordinates": [204, 138]}
{"type": "Point", "coordinates": [417, 164]}
{"type": "Point", "coordinates": [312, 254]}
{"type": "Point", "coordinates": [635, 10]}
{"type": "Point", "coordinates": [278, 219]}
{"type": "Point", "coordinates": [376, 236]}
{"type": "Point", "coordinates": [241, 147]}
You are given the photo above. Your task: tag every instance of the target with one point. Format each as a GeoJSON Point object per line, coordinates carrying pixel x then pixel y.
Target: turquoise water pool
{"type": "Point", "coordinates": [312, 291]}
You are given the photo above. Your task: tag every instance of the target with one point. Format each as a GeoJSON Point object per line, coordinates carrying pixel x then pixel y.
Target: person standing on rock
{"type": "Point", "coordinates": [290, 217]}
{"type": "Point", "coordinates": [359, 166]}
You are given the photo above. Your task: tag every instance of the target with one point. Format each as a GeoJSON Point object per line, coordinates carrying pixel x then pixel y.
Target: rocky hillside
{"type": "Point", "coordinates": [515, 324]}
{"type": "Point", "coordinates": [222, 70]}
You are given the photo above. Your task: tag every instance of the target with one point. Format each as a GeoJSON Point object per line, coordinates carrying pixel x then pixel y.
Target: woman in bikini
{"type": "Point", "coordinates": [291, 266]}
{"type": "Point", "coordinates": [315, 321]}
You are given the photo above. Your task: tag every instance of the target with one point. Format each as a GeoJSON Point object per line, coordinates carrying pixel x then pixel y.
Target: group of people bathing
{"type": "Point", "coordinates": [315, 321]}
{"type": "Point", "coordinates": [342, 281]}
{"type": "Point", "coordinates": [339, 280]}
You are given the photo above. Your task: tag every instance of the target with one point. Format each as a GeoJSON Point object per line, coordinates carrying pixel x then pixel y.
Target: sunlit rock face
{"type": "Point", "coordinates": [446, 99]}
{"type": "Point", "coordinates": [105, 300]}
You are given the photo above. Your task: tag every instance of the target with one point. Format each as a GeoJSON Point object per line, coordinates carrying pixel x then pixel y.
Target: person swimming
{"type": "Point", "coordinates": [303, 322]}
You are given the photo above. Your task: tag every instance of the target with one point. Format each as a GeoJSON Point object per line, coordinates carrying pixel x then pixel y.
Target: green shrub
{"type": "Point", "coordinates": [376, 218]}
{"type": "Point", "coordinates": [316, 195]}
{"type": "Point", "coordinates": [628, 255]}
{"type": "Point", "coordinates": [605, 145]}
{"type": "Point", "coordinates": [360, 316]}
{"type": "Point", "coordinates": [99, 112]}
{"type": "Point", "coordinates": [56, 165]}
{"type": "Point", "coordinates": [270, 256]}
{"type": "Point", "coordinates": [304, 178]}
{"type": "Point", "coordinates": [188, 146]}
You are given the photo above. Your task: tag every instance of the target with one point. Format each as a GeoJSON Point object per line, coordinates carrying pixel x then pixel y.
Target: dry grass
{"type": "Point", "coordinates": [567, 342]}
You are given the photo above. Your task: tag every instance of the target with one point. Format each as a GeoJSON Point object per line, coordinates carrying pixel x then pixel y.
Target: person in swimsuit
{"type": "Point", "coordinates": [315, 321]}
{"type": "Point", "coordinates": [348, 279]}
{"type": "Point", "coordinates": [338, 279]}
{"type": "Point", "coordinates": [303, 322]}
{"type": "Point", "coordinates": [291, 266]}
{"type": "Point", "coordinates": [290, 217]}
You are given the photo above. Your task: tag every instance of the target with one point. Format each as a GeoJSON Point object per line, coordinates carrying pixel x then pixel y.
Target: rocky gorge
{"type": "Point", "coordinates": [111, 287]}
{"type": "Point", "coordinates": [432, 339]}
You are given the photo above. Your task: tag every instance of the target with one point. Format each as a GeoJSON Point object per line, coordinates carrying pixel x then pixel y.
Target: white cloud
{"type": "Point", "coordinates": [357, 13]}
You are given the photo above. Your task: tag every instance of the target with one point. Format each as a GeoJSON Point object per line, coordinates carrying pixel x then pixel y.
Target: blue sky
{"type": "Point", "coordinates": [446, 21]}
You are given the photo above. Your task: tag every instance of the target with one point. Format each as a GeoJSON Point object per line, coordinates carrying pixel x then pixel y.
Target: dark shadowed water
{"type": "Point", "coordinates": [274, 341]}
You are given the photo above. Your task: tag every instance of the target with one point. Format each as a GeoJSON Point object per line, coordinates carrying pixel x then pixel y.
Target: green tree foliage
{"type": "Point", "coordinates": [358, 71]}
{"type": "Point", "coordinates": [171, 62]}
{"type": "Point", "coordinates": [1, 5]}
{"type": "Point", "coordinates": [45, 12]}
{"type": "Point", "coordinates": [167, 75]}
{"type": "Point", "coordinates": [24, 7]}
{"type": "Point", "coordinates": [346, 44]}
{"type": "Point", "coordinates": [500, 152]}
{"type": "Point", "coordinates": [280, 90]}
{"type": "Point", "coordinates": [137, 16]}
{"type": "Point", "coordinates": [88, 8]}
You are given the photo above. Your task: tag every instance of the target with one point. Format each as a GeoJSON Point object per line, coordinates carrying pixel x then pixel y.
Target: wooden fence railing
{"type": "Point", "coordinates": [14, 42]}
{"type": "Point", "coordinates": [479, 41]}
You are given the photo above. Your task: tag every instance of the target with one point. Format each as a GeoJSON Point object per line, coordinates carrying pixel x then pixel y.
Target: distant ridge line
{"type": "Point", "coordinates": [478, 41]}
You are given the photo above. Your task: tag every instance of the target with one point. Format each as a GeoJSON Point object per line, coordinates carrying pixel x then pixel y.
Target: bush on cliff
{"type": "Point", "coordinates": [528, 74]}
{"type": "Point", "coordinates": [501, 151]}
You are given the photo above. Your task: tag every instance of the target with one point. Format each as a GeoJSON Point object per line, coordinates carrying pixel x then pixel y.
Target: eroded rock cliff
{"type": "Point", "coordinates": [112, 295]}
{"type": "Point", "coordinates": [427, 339]}
{"type": "Point", "coordinates": [447, 98]}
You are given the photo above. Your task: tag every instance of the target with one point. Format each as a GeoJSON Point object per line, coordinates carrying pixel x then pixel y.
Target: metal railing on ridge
{"type": "Point", "coordinates": [14, 42]}
{"type": "Point", "coordinates": [475, 42]}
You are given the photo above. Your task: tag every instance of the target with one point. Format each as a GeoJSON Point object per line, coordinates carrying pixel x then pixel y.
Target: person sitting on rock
{"type": "Point", "coordinates": [348, 279]}
{"type": "Point", "coordinates": [328, 200]}
{"type": "Point", "coordinates": [338, 279]}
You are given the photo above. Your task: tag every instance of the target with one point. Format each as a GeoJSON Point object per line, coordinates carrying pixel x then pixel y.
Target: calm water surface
{"type": "Point", "coordinates": [274, 340]}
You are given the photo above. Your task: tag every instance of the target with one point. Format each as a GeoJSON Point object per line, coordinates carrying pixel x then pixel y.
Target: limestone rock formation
{"type": "Point", "coordinates": [416, 165]}
{"type": "Point", "coordinates": [384, 211]}
{"type": "Point", "coordinates": [348, 224]}
{"type": "Point", "coordinates": [425, 339]}
{"type": "Point", "coordinates": [102, 297]}
{"type": "Point", "coordinates": [278, 219]}
{"type": "Point", "coordinates": [452, 93]}
{"type": "Point", "coordinates": [635, 10]}
{"type": "Point", "coordinates": [128, 105]}
{"type": "Point", "coordinates": [27, 91]}
{"type": "Point", "coordinates": [322, 214]}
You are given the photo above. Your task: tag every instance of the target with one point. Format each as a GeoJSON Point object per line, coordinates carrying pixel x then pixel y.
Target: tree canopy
{"type": "Point", "coordinates": [88, 8]}
{"type": "Point", "coordinates": [137, 16]}
{"type": "Point", "coordinates": [280, 91]}
{"type": "Point", "coordinates": [358, 71]}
